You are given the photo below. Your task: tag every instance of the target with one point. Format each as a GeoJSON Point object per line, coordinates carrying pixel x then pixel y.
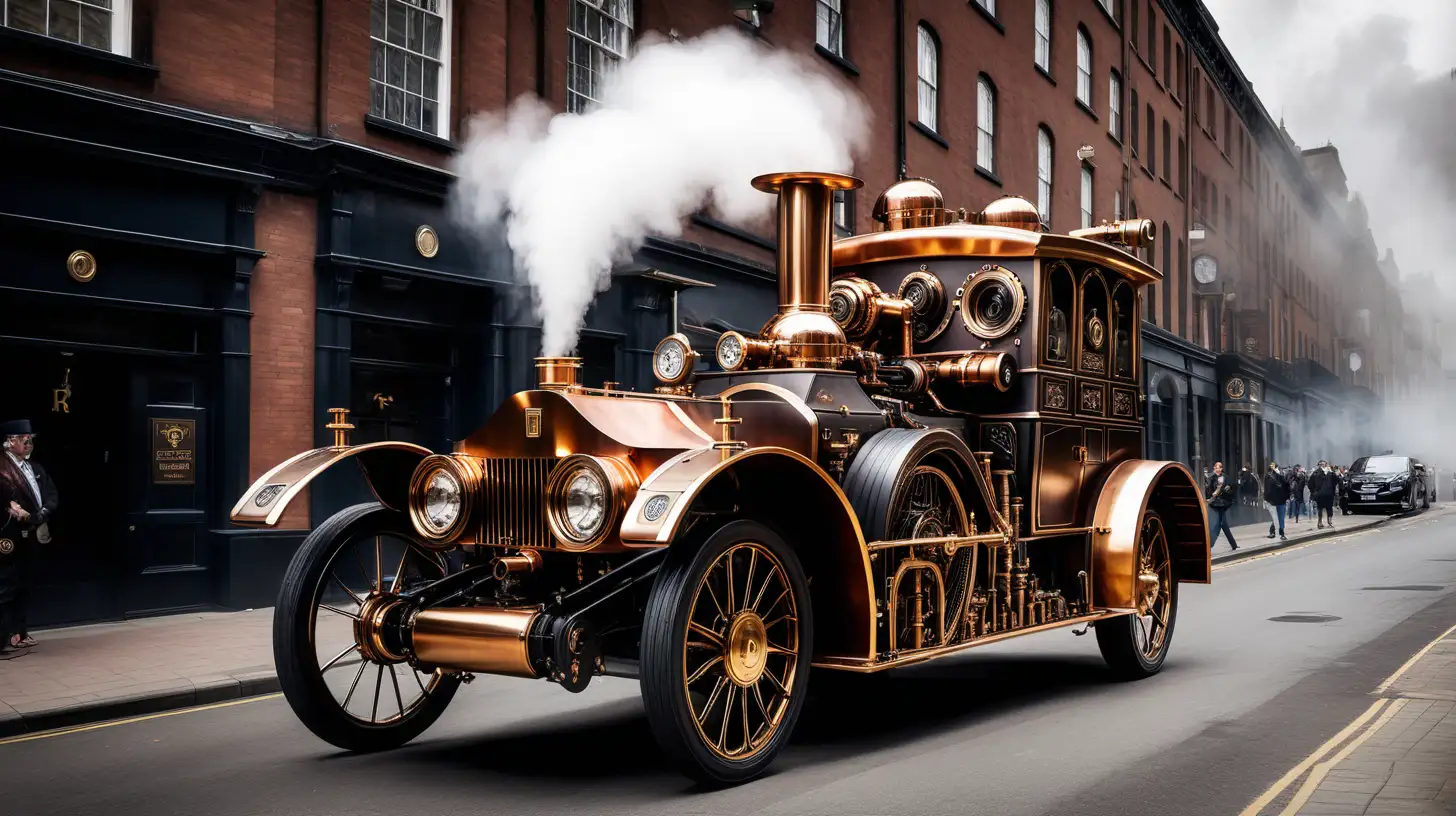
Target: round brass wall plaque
{"type": "Point", "coordinates": [81, 265]}
{"type": "Point", "coordinates": [1235, 388]}
{"type": "Point", "coordinates": [426, 241]}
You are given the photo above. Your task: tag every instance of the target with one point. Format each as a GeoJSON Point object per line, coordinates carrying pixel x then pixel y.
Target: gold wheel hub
{"type": "Point", "coordinates": [1148, 586]}
{"type": "Point", "coordinates": [368, 629]}
{"type": "Point", "coordinates": [746, 652]}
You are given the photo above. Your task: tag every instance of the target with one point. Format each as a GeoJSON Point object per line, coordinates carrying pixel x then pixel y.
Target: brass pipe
{"type": "Point", "coordinates": [524, 561]}
{"type": "Point", "coordinates": [894, 597]}
{"type": "Point", "coordinates": [1005, 491]}
{"type": "Point", "coordinates": [490, 641]}
{"type": "Point", "coordinates": [1137, 232]}
{"type": "Point", "coordinates": [918, 624]}
{"type": "Point", "coordinates": [938, 541]}
{"type": "Point", "coordinates": [975, 369]}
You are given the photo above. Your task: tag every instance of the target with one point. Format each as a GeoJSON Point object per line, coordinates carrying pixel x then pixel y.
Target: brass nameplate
{"type": "Point", "coordinates": [174, 451]}
{"type": "Point", "coordinates": [533, 423]}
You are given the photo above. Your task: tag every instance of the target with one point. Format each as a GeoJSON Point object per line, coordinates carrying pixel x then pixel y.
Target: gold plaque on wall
{"type": "Point", "coordinates": [426, 241]}
{"type": "Point", "coordinates": [174, 450]}
{"type": "Point", "coordinates": [81, 265]}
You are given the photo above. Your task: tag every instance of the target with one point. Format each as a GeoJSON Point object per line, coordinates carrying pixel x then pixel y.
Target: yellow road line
{"type": "Point", "coordinates": [1289, 549]}
{"type": "Point", "coordinates": [1417, 656]}
{"type": "Point", "coordinates": [61, 732]}
{"type": "Point", "coordinates": [1317, 775]}
{"type": "Point", "coordinates": [1308, 762]}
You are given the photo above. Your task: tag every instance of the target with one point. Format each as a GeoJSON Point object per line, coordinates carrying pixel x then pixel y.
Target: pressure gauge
{"type": "Point", "coordinates": [730, 351]}
{"type": "Point", "coordinates": [674, 359]}
{"type": "Point", "coordinates": [1205, 269]}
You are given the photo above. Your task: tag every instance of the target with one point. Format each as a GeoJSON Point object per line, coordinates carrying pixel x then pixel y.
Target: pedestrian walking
{"type": "Point", "coordinates": [29, 499]}
{"type": "Point", "coordinates": [1276, 493]}
{"type": "Point", "coordinates": [1248, 487]}
{"type": "Point", "coordinates": [1298, 479]}
{"type": "Point", "coordinates": [1322, 485]}
{"type": "Point", "coordinates": [1220, 493]}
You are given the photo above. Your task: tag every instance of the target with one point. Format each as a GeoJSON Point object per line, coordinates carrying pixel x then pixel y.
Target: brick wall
{"type": "Point", "coordinates": [282, 331]}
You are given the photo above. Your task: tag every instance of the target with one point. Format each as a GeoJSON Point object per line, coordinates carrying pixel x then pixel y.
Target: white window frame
{"type": "Point", "coordinates": [1114, 104]}
{"type": "Point", "coordinates": [826, 34]}
{"type": "Point", "coordinates": [1084, 68]}
{"type": "Point", "coordinates": [1044, 143]}
{"type": "Point", "coordinates": [1086, 196]}
{"type": "Point", "coordinates": [1117, 205]}
{"type": "Point", "coordinates": [120, 12]}
{"type": "Point", "coordinates": [1043, 29]}
{"type": "Point", "coordinates": [985, 124]}
{"type": "Point", "coordinates": [443, 10]}
{"type": "Point", "coordinates": [927, 88]}
{"type": "Point", "coordinates": [988, 5]}
{"type": "Point", "coordinates": [619, 11]}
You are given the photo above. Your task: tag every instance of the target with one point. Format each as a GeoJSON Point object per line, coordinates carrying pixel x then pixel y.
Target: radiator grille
{"type": "Point", "coordinates": [515, 502]}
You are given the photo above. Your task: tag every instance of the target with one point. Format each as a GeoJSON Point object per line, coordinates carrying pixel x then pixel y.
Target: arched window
{"type": "Point", "coordinates": [929, 75]}
{"type": "Point", "coordinates": [1044, 173]}
{"type": "Point", "coordinates": [1114, 104]}
{"type": "Point", "coordinates": [985, 124]}
{"type": "Point", "coordinates": [1044, 35]}
{"type": "Point", "coordinates": [1086, 196]}
{"type": "Point", "coordinates": [1084, 67]}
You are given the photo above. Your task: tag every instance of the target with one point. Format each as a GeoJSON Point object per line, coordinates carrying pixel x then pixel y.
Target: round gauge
{"type": "Point", "coordinates": [926, 295]}
{"type": "Point", "coordinates": [730, 351]}
{"type": "Point", "coordinates": [1205, 269]}
{"type": "Point", "coordinates": [673, 360]}
{"type": "Point", "coordinates": [992, 303]}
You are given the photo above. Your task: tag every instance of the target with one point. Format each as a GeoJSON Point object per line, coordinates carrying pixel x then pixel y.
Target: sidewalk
{"type": "Point", "coordinates": [110, 670]}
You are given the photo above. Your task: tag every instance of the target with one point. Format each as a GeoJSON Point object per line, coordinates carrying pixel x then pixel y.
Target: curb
{"type": "Point", "coordinates": [1240, 555]}
{"type": "Point", "coordinates": [203, 692]}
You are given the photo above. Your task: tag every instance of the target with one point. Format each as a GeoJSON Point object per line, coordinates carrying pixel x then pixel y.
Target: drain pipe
{"type": "Point", "coordinates": [900, 87]}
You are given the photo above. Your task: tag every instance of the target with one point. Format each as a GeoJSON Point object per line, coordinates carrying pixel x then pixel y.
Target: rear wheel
{"type": "Point", "coordinates": [348, 690]}
{"type": "Point", "coordinates": [1136, 645]}
{"type": "Point", "coordinates": [726, 642]}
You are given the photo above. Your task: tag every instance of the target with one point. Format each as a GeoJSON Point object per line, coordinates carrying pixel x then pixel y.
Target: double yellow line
{"type": "Point", "coordinates": [61, 732]}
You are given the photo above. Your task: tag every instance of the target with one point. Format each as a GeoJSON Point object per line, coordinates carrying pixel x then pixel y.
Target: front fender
{"type": "Point", "coordinates": [387, 467]}
{"type": "Point", "coordinates": [786, 490]}
{"type": "Point", "coordinates": [1131, 488]}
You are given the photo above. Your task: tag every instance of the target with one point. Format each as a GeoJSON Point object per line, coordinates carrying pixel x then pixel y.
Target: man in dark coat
{"type": "Point", "coordinates": [1276, 493]}
{"type": "Point", "coordinates": [30, 500]}
{"type": "Point", "coordinates": [1322, 486]}
{"type": "Point", "coordinates": [1248, 487]}
{"type": "Point", "coordinates": [1297, 481]}
{"type": "Point", "coordinates": [1220, 492]}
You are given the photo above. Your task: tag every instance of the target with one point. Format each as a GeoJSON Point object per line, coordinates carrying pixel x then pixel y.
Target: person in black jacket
{"type": "Point", "coordinates": [28, 500]}
{"type": "Point", "coordinates": [1322, 486]}
{"type": "Point", "coordinates": [1297, 481]}
{"type": "Point", "coordinates": [1220, 492]}
{"type": "Point", "coordinates": [1276, 493]}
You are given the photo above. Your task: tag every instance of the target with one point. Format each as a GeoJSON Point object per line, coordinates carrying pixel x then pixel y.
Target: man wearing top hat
{"type": "Point", "coordinates": [28, 499]}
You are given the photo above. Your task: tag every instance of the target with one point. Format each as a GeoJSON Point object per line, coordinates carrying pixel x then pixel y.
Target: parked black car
{"type": "Point", "coordinates": [1386, 483]}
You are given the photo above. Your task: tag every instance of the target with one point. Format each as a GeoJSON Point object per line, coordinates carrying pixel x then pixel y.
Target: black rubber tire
{"type": "Point", "coordinates": [293, 652]}
{"type": "Point", "coordinates": [1118, 642]}
{"type": "Point", "coordinates": [664, 622]}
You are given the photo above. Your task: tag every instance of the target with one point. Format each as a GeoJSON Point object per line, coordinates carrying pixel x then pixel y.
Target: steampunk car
{"type": "Point", "coordinates": [935, 443]}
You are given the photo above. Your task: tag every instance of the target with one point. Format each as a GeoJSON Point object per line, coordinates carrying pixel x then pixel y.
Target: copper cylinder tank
{"type": "Point", "coordinates": [491, 641]}
{"type": "Point", "coordinates": [560, 373]}
{"type": "Point", "coordinates": [803, 333]}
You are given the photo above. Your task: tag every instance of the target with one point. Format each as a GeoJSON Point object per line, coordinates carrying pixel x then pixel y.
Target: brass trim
{"type": "Point", "coordinates": [944, 303]}
{"type": "Point", "coordinates": [970, 315]}
{"type": "Point", "coordinates": [1134, 333]}
{"type": "Point", "coordinates": [1046, 273]}
{"type": "Point", "coordinates": [81, 266]}
{"type": "Point", "coordinates": [477, 639]}
{"type": "Point", "coordinates": [427, 241]}
{"type": "Point", "coordinates": [794, 402]}
{"type": "Point", "coordinates": [620, 481]}
{"type": "Point", "coordinates": [326, 458]}
{"type": "Point", "coordinates": [1081, 325]}
{"type": "Point", "coordinates": [893, 597]}
{"type": "Point", "coordinates": [558, 373]}
{"type": "Point", "coordinates": [869, 666]}
{"type": "Point", "coordinates": [468, 471]}
{"type": "Point", "coordinates": [972, 240]}
{"type": "Point", "coordinates": [690, 359]}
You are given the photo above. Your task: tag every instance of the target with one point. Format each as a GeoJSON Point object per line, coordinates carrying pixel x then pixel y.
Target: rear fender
{"type": "Point", "coordinates": [387, 467]}
{"type": "Point", "coordinates": [786, 490]}
{"type": "Point", "coordinates": [1131, 488]}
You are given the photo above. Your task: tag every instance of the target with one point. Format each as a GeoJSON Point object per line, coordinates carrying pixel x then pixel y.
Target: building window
{"type": "Point", "coordinates": [1044, 35]}
{"type": "Point", "coordinates": [600, 32]}
{"type": "Point", "coordinates": [1086, 196]}
{"type": "Point", "coordinates": [409, 76]}
{"type": "Point", "coordinates": [1152, 54]}
{"type": "Point", "coordinates": [985, 124]}
{"type": "Point", "coordinates": [1167, 152]}
{"type": "Point", "coordinates": [1178, 89]}
{"type": "Point", "coordinates": [1228, 120]}
{"type": "Point", "coordinates": [1168, 56]}
{"type": "Point", "coordinates": [1213, 207]}
{"type": "Point", "coordinates": [1182, 167]}
{"type": "Point", "coordinates": [829, 26]}
{"type": "Point", "coordinates": [929, 73]}
{"type": "Point", "coordinates": [1044, 174]}
{"type": "Point", "coordinates": [1117, 205]}
{"type": "Point", "coordinates": [1133, 32]}
{"type": "Point", "coordinates": [988, 5]}
{"type": "Point", "coordinates": [1110, 6]}
{"type": "Point", "coordinates": [1152, 136]}
{"type": "Point", "coordinates": [844, 212]}
{"type": "Point", "coordinates": [1084, 68]}
{"type": "Point", "coordinates": [1114, 105]}
{"type": "Point", "coordinates": [101, 24]}
{"type": "Point", "coordinates": [1133, 119]}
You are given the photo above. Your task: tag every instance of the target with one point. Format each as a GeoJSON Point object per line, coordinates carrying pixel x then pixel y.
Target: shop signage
{"type": "Point", "coordinates": [60, 397]}
{"type": "Point", "coordinates": [174, 451]}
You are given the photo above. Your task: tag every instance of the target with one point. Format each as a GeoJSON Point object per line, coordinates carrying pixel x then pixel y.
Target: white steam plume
{"type": "Point", "coordinates": [680, 126]}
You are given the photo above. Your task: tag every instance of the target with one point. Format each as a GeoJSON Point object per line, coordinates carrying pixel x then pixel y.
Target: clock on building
{"type": "Point", "coordinates": [1205, 269]}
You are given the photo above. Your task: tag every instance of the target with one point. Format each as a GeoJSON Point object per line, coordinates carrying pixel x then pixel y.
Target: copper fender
{"type": "Point", "coordinates": [1131, 488]}
{"type": "Point", "coordinates": [785, 490]}
{"type": "Point", "coordinates": [387, 467]}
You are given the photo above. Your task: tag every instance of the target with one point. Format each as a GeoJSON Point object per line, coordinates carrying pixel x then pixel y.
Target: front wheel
{"type": "Point", "coordinates": [348, 691]}
{"type": "Point", "coordinates": [726, 643]}
{"type": "Point", "coordinates": [1136, 645]}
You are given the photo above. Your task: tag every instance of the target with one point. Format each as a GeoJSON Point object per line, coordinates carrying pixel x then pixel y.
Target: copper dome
{"type": "Point", "coordinates": [910, 203]}
{"type": "Point", "coordinates": [1011, 211]}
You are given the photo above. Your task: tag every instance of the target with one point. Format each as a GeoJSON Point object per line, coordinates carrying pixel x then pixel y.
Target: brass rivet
{"type": "Point", "coordinates": [426, 241]}
{"type": "Point", "coordinates": [81, 265]}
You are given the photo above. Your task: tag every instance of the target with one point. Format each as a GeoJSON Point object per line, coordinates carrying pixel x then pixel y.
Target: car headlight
{"type": "Point", "coordinates": [586, 496]}
{"type": "Point", "coordinates": [442, 496]}
{"type": "Point", "coordinates": [674, 360]}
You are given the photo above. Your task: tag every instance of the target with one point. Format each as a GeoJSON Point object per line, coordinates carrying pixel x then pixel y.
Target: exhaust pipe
{"type": "Point", "coordinates": [490, 641]}
{"type": "Point", "coordinates": [558, 373]}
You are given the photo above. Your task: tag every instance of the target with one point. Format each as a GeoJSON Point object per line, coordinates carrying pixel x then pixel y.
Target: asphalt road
{"type": "Point", "coordinates": [1029, 726]}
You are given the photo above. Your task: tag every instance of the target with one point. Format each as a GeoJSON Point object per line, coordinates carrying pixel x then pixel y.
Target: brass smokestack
{"type": "Point", "coordinates": [558, 373]}
{"type": "Point", "coordinates": [803, 333]}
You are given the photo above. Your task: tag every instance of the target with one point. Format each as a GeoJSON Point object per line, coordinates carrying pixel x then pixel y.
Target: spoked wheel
{"type": "Point", "coordinates": [1136, 645]}
{"type": "Point", "coordinates": [726, 643]}
{"type": "Point", "coordinates": [339, 676]}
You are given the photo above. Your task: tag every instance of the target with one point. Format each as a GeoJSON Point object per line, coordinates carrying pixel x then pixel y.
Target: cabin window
{"type": "Point", "coordinates": [1124, 354]}
{"type": "Point", "coordinates": [1094, 328]}
{"type": "Point", "coordinates": [1061, 294]}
